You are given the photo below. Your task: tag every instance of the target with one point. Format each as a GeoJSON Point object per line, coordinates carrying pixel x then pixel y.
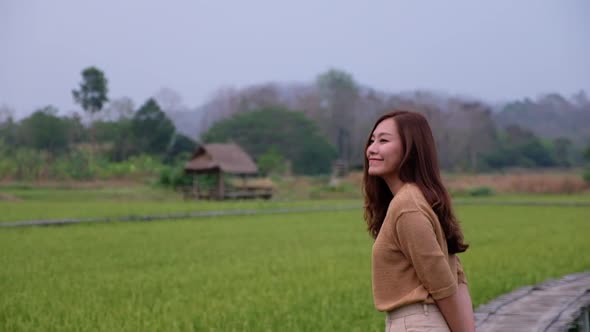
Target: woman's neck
{"type": "Point", "coordinates": [394, 183]}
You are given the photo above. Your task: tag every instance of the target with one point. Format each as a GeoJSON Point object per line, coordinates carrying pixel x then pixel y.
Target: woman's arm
{"type": "Point", "coordinates": [417, 240]}
{"type": "Point", "coordinates": [458, 310]}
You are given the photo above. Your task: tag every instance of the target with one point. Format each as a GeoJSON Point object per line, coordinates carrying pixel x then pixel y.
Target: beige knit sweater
{"type": "Point", "coordinates": [410, 259]}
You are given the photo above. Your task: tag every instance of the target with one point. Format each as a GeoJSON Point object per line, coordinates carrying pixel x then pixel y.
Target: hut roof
{"type": "Point", "coordinates": [229, 158]}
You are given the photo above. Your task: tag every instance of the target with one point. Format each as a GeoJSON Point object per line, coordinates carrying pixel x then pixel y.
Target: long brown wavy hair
{"type": "Point", "coordinates": [419, 165]}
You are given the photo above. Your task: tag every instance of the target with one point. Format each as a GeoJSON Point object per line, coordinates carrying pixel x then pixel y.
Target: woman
{"type": "Point", "coordinates": [417, 278]}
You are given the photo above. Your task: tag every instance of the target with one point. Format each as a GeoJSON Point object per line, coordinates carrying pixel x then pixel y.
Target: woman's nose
{"type": "Point", "coordinates": [371, 149]}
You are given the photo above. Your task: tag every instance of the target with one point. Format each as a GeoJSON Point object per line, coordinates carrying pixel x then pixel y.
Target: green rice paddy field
{"type": "Point", "coordinates": [293, 272]}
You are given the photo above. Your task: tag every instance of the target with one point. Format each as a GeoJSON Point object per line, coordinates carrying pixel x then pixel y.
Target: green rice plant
{"type": "Point", "coordinates": [298, 272]}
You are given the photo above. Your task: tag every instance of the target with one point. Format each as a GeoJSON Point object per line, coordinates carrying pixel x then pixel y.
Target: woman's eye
{"type": "Point", "coordinates": [383, 141]}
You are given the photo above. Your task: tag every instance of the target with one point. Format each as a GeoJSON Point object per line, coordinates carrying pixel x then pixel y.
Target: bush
{"type": "Point", "coordinates": [480, 191]}
{"type": "Point", "coordinates": [174, 177]}
{"type": "Point", "coordinates": [136, 166]}
{"type": "Point", "coordinates": [586, 175]}
{"type": "Point", "coordinates": [178, 178]}
{"type": "Point", "coordinates": [165, 175]}
{"type": "Point", "coordinates": [77, 165]}
{"type": "Point", "coordinates": [271, 162]}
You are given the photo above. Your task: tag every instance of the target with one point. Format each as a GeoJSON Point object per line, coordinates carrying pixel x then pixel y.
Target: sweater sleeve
{"type": "Point", "coordinates": [419, 244]}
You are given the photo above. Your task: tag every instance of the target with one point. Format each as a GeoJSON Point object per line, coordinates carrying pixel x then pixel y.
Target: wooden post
{"type": "Point", "coordinates": [196, 189]}
{"type": "Point", "coordinates": [220, 185]}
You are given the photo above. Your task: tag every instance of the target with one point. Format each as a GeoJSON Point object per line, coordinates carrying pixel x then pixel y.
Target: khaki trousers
{"type": "Point", "coordinates": [417, 317]}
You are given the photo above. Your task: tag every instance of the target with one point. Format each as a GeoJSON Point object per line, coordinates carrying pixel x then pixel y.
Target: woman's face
{"type": "Point", "coordinates": [385, 149]}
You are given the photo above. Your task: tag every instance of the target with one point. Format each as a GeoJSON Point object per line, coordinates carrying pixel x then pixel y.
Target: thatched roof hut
{"type": "Point", "coordinates": [227, 158]}
{"type": "Point", "coordinates": [219, 159]}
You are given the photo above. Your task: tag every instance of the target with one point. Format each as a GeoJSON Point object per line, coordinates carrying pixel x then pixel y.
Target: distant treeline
{"type": "Point", "coordinates": [303, 128]}
{"type": "Point", "coordinates": [47, 146]}
{"type": "Point", "coordinates": [471, 136]}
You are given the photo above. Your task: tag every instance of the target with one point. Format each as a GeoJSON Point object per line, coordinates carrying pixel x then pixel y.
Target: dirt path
{"type": "Point", "coordinates": [245, 212]}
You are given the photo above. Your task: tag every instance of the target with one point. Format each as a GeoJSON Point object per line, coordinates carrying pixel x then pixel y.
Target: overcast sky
{"type": "Point", "coordinates": [496, 51]}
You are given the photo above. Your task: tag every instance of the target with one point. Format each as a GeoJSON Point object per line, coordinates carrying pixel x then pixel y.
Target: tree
{"type": "Point", "coordinates": [44, 130]}
{"type": "Point", "coordinates": [119, 108]}
{"type": "Point", "coordinates": [521, 148]}
{"type": "Point", "coordinates": [518, 136]}
{"type": "Point", "coordinates": [108, 131]}
{"type": "Point", "coordinates": [152, 130]}
{"type": "Point", "coordinates": [223, 104]}
{"type": "Point", "coordinates": [470, 132]}
{"type": "Point", "coordinates": [563, 148]}
{"type": "Point", "coordinates": [180, 148]}
{"type": "Point", "coordinates": [169, 100]}
{"type": "Point", "coordinates": [539, 154]}
{"type": "Point", "coordinates": [586, 174]}
{"type": "Point", "coordinates": [92, 94]}
{"type": "Point", "coordinates": [8, 127]}
{"type": "Point", "coordinates": [6, 113]}
{"type": "Point", "coordinates": [550, 116]}
{"type": "Point", "coordinates": [77, 133]}
{"type": "Point", "coordinates": [124, 143]}
{"type": "Point", "coordinates": [339, 94]}
{"type": "Point", "coordinates": [296, 137]}
{"type": "Point", "coordinates": [271, 162]}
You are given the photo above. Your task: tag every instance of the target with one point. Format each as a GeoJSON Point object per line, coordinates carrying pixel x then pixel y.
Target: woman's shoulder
{"type": "Point", "coordinates": [408, 199]}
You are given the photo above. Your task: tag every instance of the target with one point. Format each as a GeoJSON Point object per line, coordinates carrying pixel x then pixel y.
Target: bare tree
{"type": "Point", "coordinates": [169, 100]}
{"type": "Point", "coordinates": [6, 112]}
{"type": "Point", "coordinates": [119, 108]}
{"type": "Point", "coordinates": [339, 96]}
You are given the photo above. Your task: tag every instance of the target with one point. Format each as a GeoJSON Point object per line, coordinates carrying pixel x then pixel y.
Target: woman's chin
{"type": "Point", "coordinates": [374, 172]}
